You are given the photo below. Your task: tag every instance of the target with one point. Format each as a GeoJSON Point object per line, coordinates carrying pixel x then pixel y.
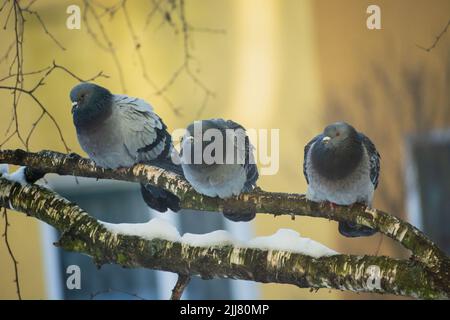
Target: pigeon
{"type": "Point", "coordinates": [231, 168]}
{"type": "Point", "coordinates": [118, 131]}
{"type": "Point", "coordinates": [342, 166]}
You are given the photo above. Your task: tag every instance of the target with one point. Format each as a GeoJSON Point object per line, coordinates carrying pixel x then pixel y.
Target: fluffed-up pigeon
{"type": "Point", "coordinates": [341, 166]}
{"type": "Point", "coordinates": [217, 160]}
{"type": "Point", "coordinates": [120, 131]}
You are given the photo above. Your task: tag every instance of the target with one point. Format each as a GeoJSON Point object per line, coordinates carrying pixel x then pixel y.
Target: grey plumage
{"type": "Point", "coordinates": [120, 131]}
{"type": "Point", "coordinates": [234, 172]}
{"type": "Point", "coordinates": [342, 166]}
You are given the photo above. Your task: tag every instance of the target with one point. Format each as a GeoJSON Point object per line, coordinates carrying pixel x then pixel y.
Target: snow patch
{"type": "Point", "coordinates": [284, 239]}
{"type": "Point", "coordinates": [215, 238]}
{"type": "Point", "coordinates": [290, 240]}
{"type": "Point", "coordinates": [155, 228]}
{"type": "Point", "coordinates": [17, 176]}
{"type": "Point", "coordinates": [4, 169]}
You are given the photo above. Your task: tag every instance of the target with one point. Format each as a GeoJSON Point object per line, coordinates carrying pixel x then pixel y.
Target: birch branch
{"type": "Point", "coordinates": [262, 201]}
{"type": "Point", "coordinates": [84, 234]}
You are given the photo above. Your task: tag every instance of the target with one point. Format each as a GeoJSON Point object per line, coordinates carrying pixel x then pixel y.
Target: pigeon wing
{"type": "Point", "coordinates": [374, 159]}
{"type": "Point", "coordinates": [305, 155]}
{"type": "Point", "coordinates": [145, 134]}
{"type": "Point", "coordinates": [249, 164]}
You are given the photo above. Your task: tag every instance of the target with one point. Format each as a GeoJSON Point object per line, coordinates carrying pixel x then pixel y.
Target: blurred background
{"type": "Point", "coordinates": [293, 65]}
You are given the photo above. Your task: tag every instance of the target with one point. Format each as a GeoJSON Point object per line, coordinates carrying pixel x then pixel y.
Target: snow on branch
{"type": "Point", "coordinates": [425, 275]}
{"type": "Point", "coordinates": [283, 239]}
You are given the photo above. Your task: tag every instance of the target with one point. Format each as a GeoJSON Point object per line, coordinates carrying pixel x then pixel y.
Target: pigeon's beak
{"type": "Point", "coordinates": [74, 106]}
{"type": "Point", "coordinates": [325, 140]}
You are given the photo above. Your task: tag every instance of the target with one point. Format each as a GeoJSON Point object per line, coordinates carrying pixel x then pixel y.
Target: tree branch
{"type": "Point", "coordinates": [180, 286]}
{"type": "Point", "coordinates": [11, 255]}
{"type": "Point", "coordinates": [437, 39]}
{"type": "Point", "coordinates": [423, 249]}
{"type": "Point", "coordinates": [82, 233]}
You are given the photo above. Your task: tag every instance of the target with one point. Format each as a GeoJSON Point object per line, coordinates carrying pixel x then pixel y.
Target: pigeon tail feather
{"type": "Point", "coordinates": [240, 217]}
{"type": "Point", "coordinates": [353, 230]}
{"type": "Point", "coordinates": [159, 199]}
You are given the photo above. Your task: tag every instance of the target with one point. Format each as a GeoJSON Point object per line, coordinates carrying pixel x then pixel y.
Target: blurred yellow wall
{"type": "Point", "coordinates": [270, 69]}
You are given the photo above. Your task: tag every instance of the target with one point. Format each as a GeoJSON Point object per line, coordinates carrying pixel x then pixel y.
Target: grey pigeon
{"type": "Point", "coordinates": [229, 174]}
{"type": "Point", "coordinates": [342, 166]}
{"type": "Point", "coordinates": [120, 131]}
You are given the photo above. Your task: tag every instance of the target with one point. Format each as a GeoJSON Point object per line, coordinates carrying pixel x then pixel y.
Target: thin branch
{"type": "Point", "coordinates": [44, 27]}
{"type": "Point", "coordinates": [180, 286]}
{"type": "Point", "coordinates": [88, 8]}
{"type": "Point", "coordinates": [156, 8]}
{"type": "Point", "coordinates": [100, 74]}
{"type": "Point", "coordinates": [138, 49]}
{"type": "Point", "coordinates": [18, 61]}
{"type": "Point", "coordinates": [17, 73]}
{"type": "Point", "coordinates": [3, 5]}
{"type": "Point", "coordinates": [33, 127]}
{"type": "Point", "coordinates": [186, 63]}
{"type": "Point", "coordinates": [11, 254]}
{"type": "Point", "coordinates": [44, 111]}
{"type": "Point", "coordinates": [25, 73]}
{"type": "Point", "coordinates": [172, 13]}
{"type": "Point", "coordinates": [8, 16]}
{"type": "Point", "coordinates": [8, 51]}
{"type": "Point", "coordinates": [207, 30]}
{"type": "Point", "coordinates": [437, 39]}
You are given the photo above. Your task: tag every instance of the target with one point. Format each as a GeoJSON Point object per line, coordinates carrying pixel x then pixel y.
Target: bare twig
{"type": "Point", "coordinates": [44, 110]}
{"type": "Point", "coordinates": [11, 254]}
{"type": "Point", "coordinates": [8, 51]}
{"type": "Point", "coordinates": [186, 64]}
{"type": "Point", "coordinates": [88, 8]}
{"type": "Point", "coordinates": [44, 27]}
{"type": "Point", "coordinates": [17, 12]}
{"type": "Point", "coordinates": [138, 49]}
{"type": "Point", "coordinates": [156, 8]}
{"type": "Point", "coordinates": [437, 39]}
{"type": "Point", "coordinates": [180, 286]}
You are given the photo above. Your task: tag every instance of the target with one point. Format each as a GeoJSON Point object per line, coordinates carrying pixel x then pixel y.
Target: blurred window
{"type": "Point", "coordinates": [428, 185]}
